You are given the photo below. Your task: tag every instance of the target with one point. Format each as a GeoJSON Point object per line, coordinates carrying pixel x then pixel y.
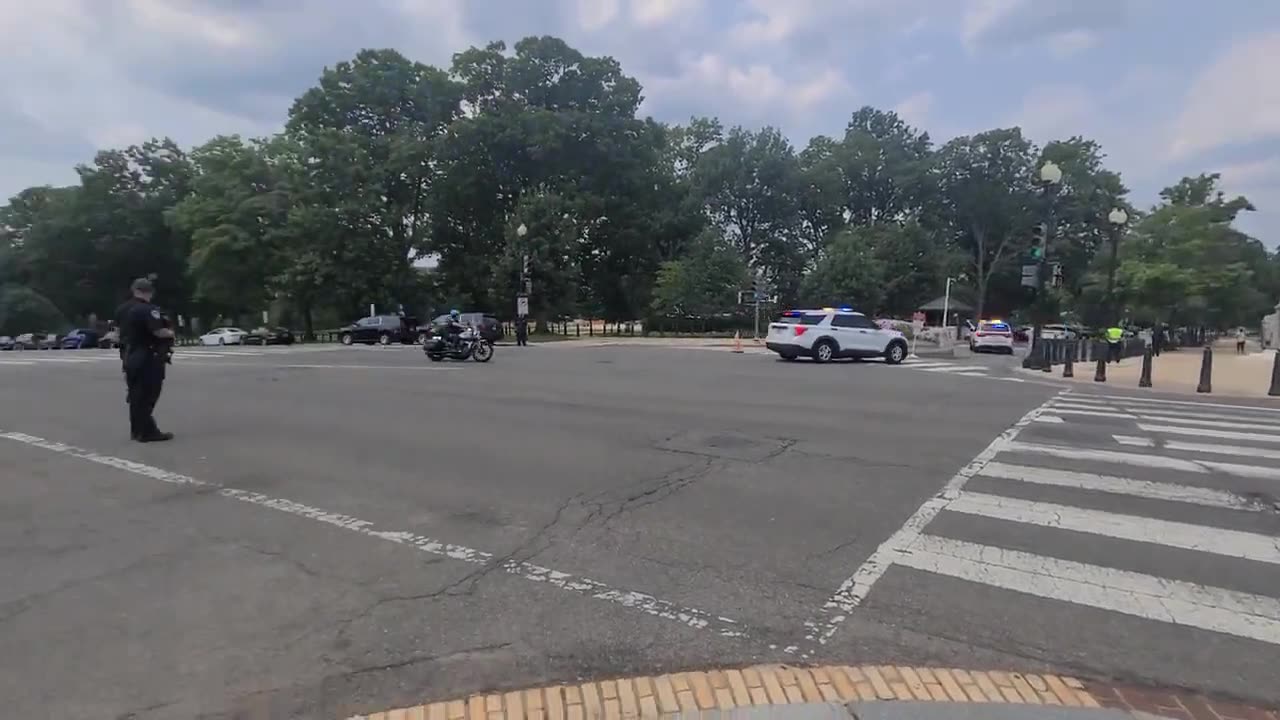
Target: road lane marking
{"type": "Point", "coordinates": [1111, 456]}
{"type": "Point", "coordinates": [1237, 450]}
{"type": "Point", "coordinates": [1205, 448]}
{"type": "Point", "coordinates": [1174, 601]}
{"type": "Point", "coordinates": [1215, 540]}
{"type": "Point", "coordinates": [1073, 410]}
{"type": "Point", "coordinates": [1215, 421]}
{"type": "Point", "coordinates": [17, 362]}
{"type": "Point", "coordinates": [955, 369]}
{"type": "Point", "coordinates": [578, 585]}
{"type": "Point", "coordinates": [1171, 492]}
{"type": "Point", "coordinates": [1051, 419]}
{"type": "Point", "coordinates": [854, 590]}
{"type": "Point", "coordinates": [1122, 399]}
{"type": "Point", "coordinates": [1205, 432]}
{"type": "Point", "coordinates": [1249, 471]}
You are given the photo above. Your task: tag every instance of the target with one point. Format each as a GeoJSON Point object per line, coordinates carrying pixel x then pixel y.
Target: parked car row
{"type": "Point", "coordinates": [78, 339]}
{"type": "Point", "coordinates": [404, 329]}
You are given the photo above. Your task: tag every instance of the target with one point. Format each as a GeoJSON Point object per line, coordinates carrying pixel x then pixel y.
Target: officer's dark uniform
{"type": "Point", "coordinates": [522, 331]}
{"type": "Point", "coordinates": [143, 360]}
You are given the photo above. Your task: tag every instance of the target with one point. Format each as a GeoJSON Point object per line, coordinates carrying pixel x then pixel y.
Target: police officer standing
{"type": "Point", "coordinates": [144, 340]}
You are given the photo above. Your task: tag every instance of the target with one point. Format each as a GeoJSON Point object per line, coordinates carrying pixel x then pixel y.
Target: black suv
{"type": "Point", "coordinates": [381, 329]}
{"type": "Point", "coordinates": [488, 325]}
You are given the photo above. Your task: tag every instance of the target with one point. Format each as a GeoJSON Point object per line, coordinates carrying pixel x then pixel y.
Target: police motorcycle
{"type": "Point", "coordinates": [469, 345]}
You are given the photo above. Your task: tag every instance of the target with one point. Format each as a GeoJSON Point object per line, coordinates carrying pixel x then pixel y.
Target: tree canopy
{"type": "Point", "coordinates": [401, 184]}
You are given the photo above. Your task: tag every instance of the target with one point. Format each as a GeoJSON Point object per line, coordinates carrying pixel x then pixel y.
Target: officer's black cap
{"type": "Point", "coordinates": [142, 285]}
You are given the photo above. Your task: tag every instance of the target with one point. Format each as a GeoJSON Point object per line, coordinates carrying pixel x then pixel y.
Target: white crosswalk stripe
{"type": "Point", "coordinates": [1058, 475]}
{"type": "Point", "coordinates": [954, 368]}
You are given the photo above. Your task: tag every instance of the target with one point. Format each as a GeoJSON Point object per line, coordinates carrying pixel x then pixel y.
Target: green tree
{"type": "Point", "coordinates": [24, 310]}
{"type": "Point", "coordinates": [702, 283]}
{"type": "Point", "coordinates": [849, 272]}
{"type": "Point", "coordinates": [366, 135]}
{"type": "Point", "coordinates": [988, 200]}
{"type": "Point", "coordinates": [750, 185]}
{"type": "Point", "coordinates": [552, 121]}
{"type": "Point", "coordinates": [234, 214]}
{"type": "Point", "coordinates": [1184, 262]}
{"type": "Point", "coordinates": [884, 164]}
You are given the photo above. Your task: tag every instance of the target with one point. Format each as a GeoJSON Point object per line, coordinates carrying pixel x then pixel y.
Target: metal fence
{"type": "Point", "coordinates": [1057, 351]}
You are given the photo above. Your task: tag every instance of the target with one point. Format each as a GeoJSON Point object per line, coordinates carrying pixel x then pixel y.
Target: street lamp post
{"type": "Point", "coordinates": [522, 299]}
{"type": "Point", "coordinates": [946, 307]}
{"type": "Point", "coordinates": [1117, 217]}
{"type": "Point", "coordinates": [1050, 178]}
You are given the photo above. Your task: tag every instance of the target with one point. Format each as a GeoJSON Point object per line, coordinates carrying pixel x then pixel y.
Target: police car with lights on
{"type": "Point", "coordinates": [992, 335]}
{"type": "Point", "coordinates": [832, 333]}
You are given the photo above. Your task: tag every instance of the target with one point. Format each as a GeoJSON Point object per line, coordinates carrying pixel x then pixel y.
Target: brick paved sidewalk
{"type": "Point", "coordinates": [692, 693]}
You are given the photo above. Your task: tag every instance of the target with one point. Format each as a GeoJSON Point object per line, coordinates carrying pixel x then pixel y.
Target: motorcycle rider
{"type": "Point", "coordinates": [453, 329]}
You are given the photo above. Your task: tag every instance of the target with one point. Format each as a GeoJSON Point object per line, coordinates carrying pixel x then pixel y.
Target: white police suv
{"type": "Point", "coordinates": [832, 333]}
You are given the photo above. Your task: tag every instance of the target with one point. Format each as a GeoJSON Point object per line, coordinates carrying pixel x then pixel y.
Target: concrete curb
{"type": "Point", "coordinates": [762, 687]}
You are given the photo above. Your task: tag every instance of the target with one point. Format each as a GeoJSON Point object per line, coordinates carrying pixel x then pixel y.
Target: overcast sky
{"type": "Point", "coordinates": [1168, 87]}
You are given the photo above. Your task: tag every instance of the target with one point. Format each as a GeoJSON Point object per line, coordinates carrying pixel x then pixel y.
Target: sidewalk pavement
{"type": "Point", "coordinates": [869, 692]}
{"type": "Point", "coordinates": [1179, 371]}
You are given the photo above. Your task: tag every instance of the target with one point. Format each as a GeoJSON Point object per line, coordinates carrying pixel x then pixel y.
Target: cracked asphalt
{"type": "Point", "coordinates": [736, 485]}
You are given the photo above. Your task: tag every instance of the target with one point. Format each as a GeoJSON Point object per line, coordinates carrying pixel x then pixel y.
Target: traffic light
{"type": "Point", "coordinates": [1039, 239]}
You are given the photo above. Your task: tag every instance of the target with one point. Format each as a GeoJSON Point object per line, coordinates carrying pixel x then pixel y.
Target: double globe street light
{"type": "Point", "coordinates": [1050, 178]}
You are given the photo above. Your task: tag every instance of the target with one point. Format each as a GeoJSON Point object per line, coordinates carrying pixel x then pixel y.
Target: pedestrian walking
{"type": "Point", "coordinates": [1241, 336]}
{"type": "Point", "coordinates": [144, 348]}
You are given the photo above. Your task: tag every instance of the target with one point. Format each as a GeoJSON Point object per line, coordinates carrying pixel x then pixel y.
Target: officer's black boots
{"type": "Point", "coordinates": [154, 437]}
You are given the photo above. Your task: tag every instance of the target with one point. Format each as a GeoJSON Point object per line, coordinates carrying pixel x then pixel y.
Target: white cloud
{"type": "Point", "coordinates": [915, 109]}
{"type": "Point", "coordinates": [1065, 27]}
{"type": "Point", "coordinates": [820, 88]}
{"type": "Point", "coordinates": [595, 14]}
{"type": "Point", "coordinates": [648, 13]}
{"type": "Point", "coordinates": [1071, 42]}
{"type": "Point", "coordinates": [984, 15]}
{"type": "Point", "coordinates": [1232, 101]}
{"type": "Point", "coordinates": [772, 22]}
{"type": "Point", "coordinates": [219, 30]}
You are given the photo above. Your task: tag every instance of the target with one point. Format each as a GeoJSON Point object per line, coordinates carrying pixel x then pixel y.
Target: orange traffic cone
{"type": "Point", "coordinates": [737, 342]}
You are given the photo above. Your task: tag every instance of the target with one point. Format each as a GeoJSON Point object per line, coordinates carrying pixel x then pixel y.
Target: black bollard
{"type": "Point", "coordinates": [1047, 357]}
{"type": "Point", "coordinates": [1145, 380]}
{"type": "Point", "coordinates": [1067, 366]}
{"type": "Point", "coordinates": [1206, 371]}
{"type": "Point", "coordinates": [1275, 377]}
{"type": "Point", "coordinates": [1101, 374]}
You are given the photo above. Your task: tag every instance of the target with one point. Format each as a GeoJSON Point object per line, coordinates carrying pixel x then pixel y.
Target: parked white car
{"type": "Point", "coordinates": [223, 336]}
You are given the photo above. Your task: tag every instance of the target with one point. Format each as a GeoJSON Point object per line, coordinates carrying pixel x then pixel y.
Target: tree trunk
{"type": "Point", "coordinates": [980, 306]}
{"type": "Point", "coordinates": [308, 329]}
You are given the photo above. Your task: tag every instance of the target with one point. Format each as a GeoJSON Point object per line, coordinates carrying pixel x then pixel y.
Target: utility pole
{"type": "Point", "coordinates": [755, 299]}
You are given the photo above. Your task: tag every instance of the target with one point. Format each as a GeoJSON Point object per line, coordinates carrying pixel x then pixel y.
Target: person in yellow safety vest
{"type": "Point", "coordinates": [1115, 340]}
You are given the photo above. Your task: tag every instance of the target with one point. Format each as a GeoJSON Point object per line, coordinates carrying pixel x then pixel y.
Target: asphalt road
{"type": "Point", "coordinates": [349, 529]}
